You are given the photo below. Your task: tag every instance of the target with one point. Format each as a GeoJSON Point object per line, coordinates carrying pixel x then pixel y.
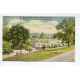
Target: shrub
{"type": "Point", "coordinates": [6, 47]}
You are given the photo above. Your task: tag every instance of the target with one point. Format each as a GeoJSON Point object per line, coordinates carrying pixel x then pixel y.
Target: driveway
{"type": "Point", "coordinates": [65, 57]}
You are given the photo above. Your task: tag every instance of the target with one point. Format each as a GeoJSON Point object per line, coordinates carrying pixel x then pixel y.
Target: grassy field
{"type": "Point", "coordinates": [40, 55]}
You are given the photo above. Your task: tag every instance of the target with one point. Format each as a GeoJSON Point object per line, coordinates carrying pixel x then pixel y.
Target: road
{"type": "Point", "coordinates": [65, 57]}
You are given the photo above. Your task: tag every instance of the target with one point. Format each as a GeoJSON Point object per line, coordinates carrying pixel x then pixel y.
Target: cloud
{"type": "Point", "coordinates": [55, 23]}
{"type": "Point", "coordinates": [36, 26]}
{"type": "Point", "coordinates": [15, 21]}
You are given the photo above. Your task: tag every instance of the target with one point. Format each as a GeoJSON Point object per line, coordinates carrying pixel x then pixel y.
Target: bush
{"type": "Point", "coordinates": [6, 47]}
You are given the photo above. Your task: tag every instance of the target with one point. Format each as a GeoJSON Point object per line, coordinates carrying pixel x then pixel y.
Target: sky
{"type": "Point", "coordinates": [28, 18]}
{"type": "Point", "coordinates": [35, 24]}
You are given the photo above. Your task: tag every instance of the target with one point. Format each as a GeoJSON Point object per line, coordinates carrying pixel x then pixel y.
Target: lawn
{"type": "Point", "coordinates": [40, 55]}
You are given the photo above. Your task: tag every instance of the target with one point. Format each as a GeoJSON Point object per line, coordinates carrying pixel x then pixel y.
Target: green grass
{"type": "Point", "coordinates": [40, 55]}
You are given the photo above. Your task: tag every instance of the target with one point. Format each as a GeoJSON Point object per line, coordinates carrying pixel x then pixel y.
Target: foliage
{"type": "Point", "coordinates": [18, 36]}
{"type": "Point", "coordinates": [5, 33]}
{"type": "Point", "coordinates": [6, 47]}
{"type": "Point", "coordinates": [28, 45]}
{"type": "Point", "coordinates": [43, 36]}
{"type": "Point", "coordinates": [67, 33]}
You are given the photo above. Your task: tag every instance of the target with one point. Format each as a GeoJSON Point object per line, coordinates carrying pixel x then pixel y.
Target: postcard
{"type": "Point", "coordinates": [39, 38]}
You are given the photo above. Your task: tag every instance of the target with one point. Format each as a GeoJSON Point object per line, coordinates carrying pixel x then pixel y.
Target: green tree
{"type": "Point", "coordinates": [18, 36]}
{"type": "Point", "coordinates": [5, 33]}
{"type": "Point", "coordinates": [67, 31]}
{"type": "Point", "coordinates": [28, 45]}
{"type": "Point", "coordinates": [6, 47]}
{"type": "Point", "coordinates": [42, 35]}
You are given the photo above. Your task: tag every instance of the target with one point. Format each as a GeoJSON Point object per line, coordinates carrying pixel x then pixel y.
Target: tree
{"type": "Point", "coordinates": [5, 33]}
{"type": "Point", "coordinates": [18, 36]}
{"type": "Point", "coordinates": [43, 36]}
{"type": "Point", "coordinates": [6, 47]}
{"type": "Point", "coordinates": [28, 45]}
{"type": "Point", "coordinates": [67, 33]}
